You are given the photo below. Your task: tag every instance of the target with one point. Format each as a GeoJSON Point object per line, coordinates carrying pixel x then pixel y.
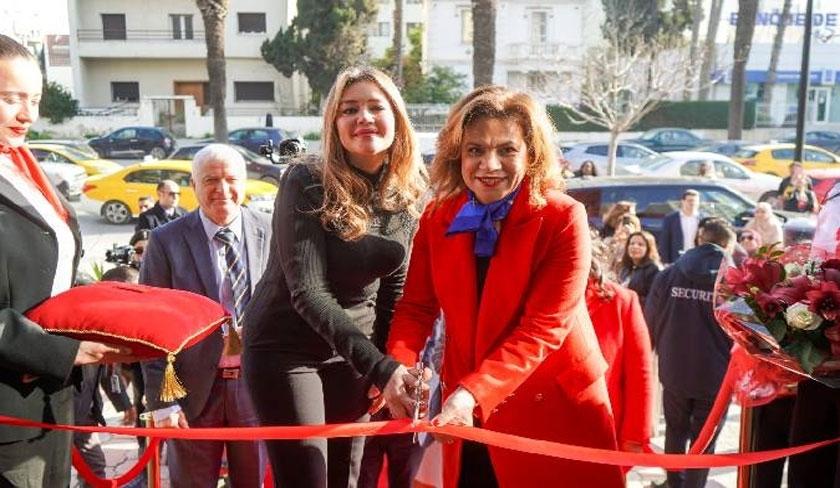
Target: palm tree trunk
{"type": "Point", "coordinates": [775, 53]}
{"type": "Point", "coordinates": [213, 12]}
{"type": "Point", "coordinates": [696, 18]}
{"type": "Point", "coordinates": [484, 41]}
{"type": "Point", "coordinates": [741, 53]}
{"type": "Point", "coordinates": [709, 49]}
{"type": "Point", "coordinates": [398, 43]}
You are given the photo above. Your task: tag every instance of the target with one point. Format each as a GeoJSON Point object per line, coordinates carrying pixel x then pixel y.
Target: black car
{"type": "Point", "coordinates": [254, 137]}
{"type": "Point", "coordinates": [133, 141]}
{"type": "Point", "coordinates": [259, 167]}
{"type": "Point", "coordinates": [670, 139]}
{"type": "Point", "coordinates": [656, 197]}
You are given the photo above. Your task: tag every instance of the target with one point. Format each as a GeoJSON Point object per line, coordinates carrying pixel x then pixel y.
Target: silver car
{"type": "Point", "coordinates": [67, 178]}
{"type": "Point", "coordinates": [627, 154]}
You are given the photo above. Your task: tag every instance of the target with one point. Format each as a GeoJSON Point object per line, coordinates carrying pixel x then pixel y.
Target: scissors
{"type": "Point", "coordinates": [418, 399]}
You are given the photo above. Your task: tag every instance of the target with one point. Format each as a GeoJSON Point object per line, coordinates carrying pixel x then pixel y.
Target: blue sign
{"type": "Point", "coordinates": [774, 17]}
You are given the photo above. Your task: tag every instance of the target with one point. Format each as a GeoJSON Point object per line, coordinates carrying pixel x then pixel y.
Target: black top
{"type": "Point", "coordinates": [322, 297]}
{"type": "Point", "coordinates": [157, 216]}
{"type": "Point", "coordinates": [640, 278]}
{"type": "Point", "coordinates": [482, 265]}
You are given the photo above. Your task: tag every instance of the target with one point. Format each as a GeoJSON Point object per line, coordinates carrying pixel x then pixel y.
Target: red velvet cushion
{"type": "Point", "coordinates": [152, 322]}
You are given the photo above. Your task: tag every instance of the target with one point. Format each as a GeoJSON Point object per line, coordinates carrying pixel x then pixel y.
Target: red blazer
{"type": "Point", "coordinates": [625, 343]}
{"type": "Point", "coordinates": [527, 352]}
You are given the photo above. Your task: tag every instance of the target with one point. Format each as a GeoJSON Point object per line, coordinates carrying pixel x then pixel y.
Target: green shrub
{"type": "Point", "coordinates": [57, 104]}
{"type": "Point", "coordinates": [312, 136]}
{"type": "Point", "coordinates": [34, 135]}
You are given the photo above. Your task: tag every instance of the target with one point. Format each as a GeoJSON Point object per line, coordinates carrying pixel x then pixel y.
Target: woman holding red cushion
{"type": "Point", "coordinates": [39, 252]}
{"type": "Point", "coordinates": [505, 255]}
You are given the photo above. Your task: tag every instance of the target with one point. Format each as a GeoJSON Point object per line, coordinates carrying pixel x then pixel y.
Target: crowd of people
{"type": "Point", "coordinates": [373, 276]}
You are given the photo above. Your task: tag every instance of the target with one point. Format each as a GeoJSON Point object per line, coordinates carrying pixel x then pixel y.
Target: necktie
{"type": "Point", "coordinates": [236, 276]}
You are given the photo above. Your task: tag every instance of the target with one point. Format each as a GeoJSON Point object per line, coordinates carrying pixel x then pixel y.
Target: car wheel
{"type": "Point", "coordinates": [270, 179]}
{"type": "Point", "coordinates": [158, 152]}
{"type": "Point", "coordinates": [116, 212]}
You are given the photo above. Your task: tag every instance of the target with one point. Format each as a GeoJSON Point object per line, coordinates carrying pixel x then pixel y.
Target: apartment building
{"type": "Point", "coordinates": [535, 39]}
{"type": "Point", "coordinates": [381, 32]}
{"type": "Point", "coordinates": [124, 50]}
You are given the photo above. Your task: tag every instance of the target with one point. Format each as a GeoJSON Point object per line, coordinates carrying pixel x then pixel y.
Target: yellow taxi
{"type": "Point", "coordinates": [775, 159]}
{"type": "Point", "coordinates": [119, 192]}
{"type": "Point", "coordinates": [56, 153]}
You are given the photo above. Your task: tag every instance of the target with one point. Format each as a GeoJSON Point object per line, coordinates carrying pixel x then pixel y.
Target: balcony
{"type": "Point", "coordinates": [132, 43]}
{"type": "Point", "coordinates": [544, 53]}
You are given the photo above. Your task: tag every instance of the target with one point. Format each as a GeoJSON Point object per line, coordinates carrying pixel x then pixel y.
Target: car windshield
{"type": "Point", "coordinates": [718, 202]}
{"type": "Point", "coordinates": [251, 155]}
{"type": "Point", "coordinates": [76, 153]}
{"type": "Point", "coordinates": [649, 135]}
{"type": "Point", "coordinates": [745, 153]}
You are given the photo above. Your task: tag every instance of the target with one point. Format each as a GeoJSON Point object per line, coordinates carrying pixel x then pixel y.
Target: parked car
{"type": "Point", "coordinates": [627, 154]}
{"type": "Point", "coordinates": [758, 186]}
{"type": "Point", "coordinates": [656, 197]}
{"type": "Point", "coordinates": [119, 191]}
{"type": "Point", "coordinates": [80, 146]}
{"type": "Point", "coordinates": [775, 159]}
{"type": "Point", "coordinates": [66, 178]}
{"type": "Point", "coordinates": [259, 167]}
{"type": "Point", "coordinates": [823, 180]}
{"type": "Point", "coordinates": [670, 139]}
{"type": "Point", "coordinates": [727, 148]}
{"type": "Point", "coordinates": [55, 153]}
{"type": "Point", "coordinates": [132, 141]}
{"type": "Point", "coordinates": [253, 137]}
{"type": "Point", "coordinates": [826, 139]}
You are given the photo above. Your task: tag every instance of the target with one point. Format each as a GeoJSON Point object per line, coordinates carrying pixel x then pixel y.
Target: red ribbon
{"type": "Point", "coordinates": [96, 482]}
{"type": "Point", "coordinates": [497, 439]}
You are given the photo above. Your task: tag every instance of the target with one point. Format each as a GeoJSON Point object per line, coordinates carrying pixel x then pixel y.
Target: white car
{"type": "Point", "coordinates": [758, 186]}
{"type": "Point", "coordinates": [67, 178]}
{"type": "Point", "coordinates": [628, 156]}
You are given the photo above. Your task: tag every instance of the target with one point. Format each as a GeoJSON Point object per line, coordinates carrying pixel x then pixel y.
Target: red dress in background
{"type": "Point", "coordinates": [527, 351]}
{"type": "Point", "coordinates": [625, 342]}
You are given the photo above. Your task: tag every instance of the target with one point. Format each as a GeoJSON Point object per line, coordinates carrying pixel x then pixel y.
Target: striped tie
{"type": "Point", "coordinates": [236, 276]}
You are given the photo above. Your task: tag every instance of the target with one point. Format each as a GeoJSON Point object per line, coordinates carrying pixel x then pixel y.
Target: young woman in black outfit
{"type": "Point", "coordinates": [640, 264]}
{"type": "Point", "coordinates": [342, 229]}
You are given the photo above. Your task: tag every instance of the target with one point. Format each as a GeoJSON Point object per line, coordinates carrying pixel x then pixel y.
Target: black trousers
{"type": "Point", "coordinates": [684, 417]}
{"type": "Point", "coordinates": [309, 394]}
{"type": "Point", "coordinates": [404, 457]}
{"type": "Point", "coordinates": [816, 417]}
{"type": "Point", "coordinates": [771, 430]}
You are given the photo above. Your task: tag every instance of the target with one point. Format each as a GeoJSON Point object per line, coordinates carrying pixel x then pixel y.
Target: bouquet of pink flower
{"type": "Point", "coordinates": [783, 310]}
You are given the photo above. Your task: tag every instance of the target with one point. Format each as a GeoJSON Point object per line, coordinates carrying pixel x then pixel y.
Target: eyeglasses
{"type": "Point", "coordinates": [173, 193]}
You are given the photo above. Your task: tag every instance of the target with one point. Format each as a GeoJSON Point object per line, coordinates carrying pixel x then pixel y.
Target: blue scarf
{"type": "Point", "coordinates": [479, 218]}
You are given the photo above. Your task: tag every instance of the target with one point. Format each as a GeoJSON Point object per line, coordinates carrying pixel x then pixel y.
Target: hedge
{"type": "Point", "coordinates": [691, 115]}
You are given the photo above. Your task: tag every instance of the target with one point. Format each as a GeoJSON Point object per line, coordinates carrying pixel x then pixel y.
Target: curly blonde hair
{"type": "Point", "coordinates": [348, 197]}
{"type": "Point", "coordinates": [497, 102]}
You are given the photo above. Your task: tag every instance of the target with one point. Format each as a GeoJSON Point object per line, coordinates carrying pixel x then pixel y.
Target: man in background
{"type": "Point", "coordinates": [166, 208]}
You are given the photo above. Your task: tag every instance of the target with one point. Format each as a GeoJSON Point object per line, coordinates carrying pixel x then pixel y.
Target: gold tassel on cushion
{"type": "Point", "coordinates": [171, 388]}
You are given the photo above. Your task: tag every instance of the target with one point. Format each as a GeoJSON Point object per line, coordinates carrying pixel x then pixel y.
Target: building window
{"type": "Point", "coordinates": [251, 23]}
{"type": "Point", "coordinates": [413, 1]}
{"type": "Point", "coordinates": [466, 26]}
{"type": "Point", "coordinates": [411, 26]}
{"type": "Point", "coordinates": [253, 91]}
{"type": "Point", "coordinates": [113, 27]}
{"type": "Point", "coordinates": [539, 27]}
{"type": "Point", "coordinates": [382, 29]}
{"type": "Point", "coordinates": [125, 91]}
{"type": "Point", "coordinates": [182, 26]}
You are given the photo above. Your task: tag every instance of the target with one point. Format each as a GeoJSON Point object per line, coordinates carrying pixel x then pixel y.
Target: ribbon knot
{"type": "Point", "coordinates": [480, 218]}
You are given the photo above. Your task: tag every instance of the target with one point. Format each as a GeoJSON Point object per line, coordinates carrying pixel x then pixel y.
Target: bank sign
{"type": "Point", "coordinates": [825, 22]}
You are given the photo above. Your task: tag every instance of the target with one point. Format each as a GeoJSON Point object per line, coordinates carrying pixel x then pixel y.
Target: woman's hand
{"type": "Point", "coordinates": [399, 395]}
{"type": "Point", "coordinates": [457, 410]}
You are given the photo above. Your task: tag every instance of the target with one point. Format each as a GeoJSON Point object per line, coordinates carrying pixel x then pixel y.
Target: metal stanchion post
{"type": "Point", "coordinates": [153, 468]}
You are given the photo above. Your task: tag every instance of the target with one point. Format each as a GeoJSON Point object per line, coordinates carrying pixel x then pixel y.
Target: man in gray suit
{"type": "Point", "coordinates": [219, 251]}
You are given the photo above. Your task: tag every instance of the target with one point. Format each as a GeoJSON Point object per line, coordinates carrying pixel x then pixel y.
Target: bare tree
{"type": "Point", "coordinates": [398, 43]}
{"type": "Point", "coordinates": [741, 53]}
{"type": "Point", "coordinates": [709, 49]}
{"type": "Point", "coordinates": [775, 53]}
{"type": "Point", "coordinates": [616, 84]}
{"type": "Point", "coordinates": [213, 12]}
{"type": "Point", "coordinates": [484, 41]}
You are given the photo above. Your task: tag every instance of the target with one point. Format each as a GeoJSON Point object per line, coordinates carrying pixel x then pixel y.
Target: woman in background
{"type": "Point", "coordinates": [640, 263]}
{"type": "Point", "coordinates": [766, 224]}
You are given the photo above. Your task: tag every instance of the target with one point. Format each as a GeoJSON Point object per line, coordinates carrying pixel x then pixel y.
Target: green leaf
{"type": "Point", "coordinates": [778, 329]}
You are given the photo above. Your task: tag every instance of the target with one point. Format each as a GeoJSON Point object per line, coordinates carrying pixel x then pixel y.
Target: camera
{"type": "Point", "coordinates": [286, 150]}
{"type": "Point", "coordinates": [120, 254]}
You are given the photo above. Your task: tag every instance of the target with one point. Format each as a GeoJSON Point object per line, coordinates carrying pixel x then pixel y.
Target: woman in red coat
{"type": "Point", "coordinates": [505, 255]}
{"type": "Point", "coordinates": [625, 342]}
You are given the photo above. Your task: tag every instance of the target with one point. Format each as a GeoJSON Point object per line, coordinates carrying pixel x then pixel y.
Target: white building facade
{"type": "Point", "coordinates": [535, 39]}
{"type": "Point", "coordinates": [125, 50]}
{"type": "Point", "coordinates": [381, 32]}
